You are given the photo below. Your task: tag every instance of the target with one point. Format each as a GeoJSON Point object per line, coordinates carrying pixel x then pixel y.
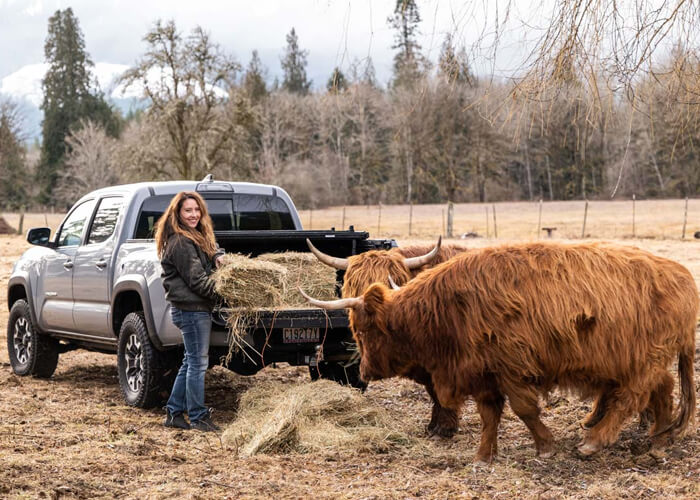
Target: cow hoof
{"type": "Point", "coordinates": [546, 453]}
{"type": "Point", "coordinates": [482, 461]}
{"type": "Point", "coordinates": [441, 431]}
{"type": "Point", "coordinates": [588, 449]}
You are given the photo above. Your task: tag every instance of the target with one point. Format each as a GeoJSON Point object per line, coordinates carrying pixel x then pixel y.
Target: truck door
{"type": "Point", "coordinates": [55, 293]}
{"type": "Point", "coordinates": [92, 271]}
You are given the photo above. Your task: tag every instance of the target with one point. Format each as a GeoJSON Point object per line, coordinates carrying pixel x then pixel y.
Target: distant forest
{"type": "Point", "coordinates": [582, 121]}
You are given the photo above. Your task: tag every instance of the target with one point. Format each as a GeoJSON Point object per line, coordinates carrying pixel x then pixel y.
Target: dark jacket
{"type": "Point", "coordinates": [186, 270]}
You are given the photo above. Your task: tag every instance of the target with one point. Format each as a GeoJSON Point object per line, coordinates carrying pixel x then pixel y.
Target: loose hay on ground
{"type": "Point", "coordinates": [317, 417]}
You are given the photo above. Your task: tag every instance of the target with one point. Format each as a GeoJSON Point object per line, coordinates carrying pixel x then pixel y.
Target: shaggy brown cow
{"type": "Point", "coordinates": [516, 321]}
{"type": "Point", "coordinates": [402, 264]}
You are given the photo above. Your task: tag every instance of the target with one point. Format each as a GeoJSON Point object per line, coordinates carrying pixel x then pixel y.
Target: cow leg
{"type": "Point", "coordinates": [524, 403]}
{"type": "Point", "coordinates": [490, 407]}
{"type": "Point", "coordinates": [597, 412]}
{"type": "Point", "coordinates": [621, 405]}
{"type": "Point", "coordinates": [661, 408]}
{"type": "Point", "coordinates": [444, 422]}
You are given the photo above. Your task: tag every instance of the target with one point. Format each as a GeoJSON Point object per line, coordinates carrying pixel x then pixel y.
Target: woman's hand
{"type": "Point", "coordinates": [219, 261]}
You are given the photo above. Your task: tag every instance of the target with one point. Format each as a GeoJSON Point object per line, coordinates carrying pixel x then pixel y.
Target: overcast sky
{"type": "Point", "coordinates": [335, 32]}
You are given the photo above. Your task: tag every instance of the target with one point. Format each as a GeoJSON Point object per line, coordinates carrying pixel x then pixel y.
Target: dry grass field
{"type": "Point", "coordinates": [72, 437]}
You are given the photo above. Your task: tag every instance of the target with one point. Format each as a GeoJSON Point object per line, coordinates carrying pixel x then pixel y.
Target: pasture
{"type": "Point", "coordinates": [72, 437]}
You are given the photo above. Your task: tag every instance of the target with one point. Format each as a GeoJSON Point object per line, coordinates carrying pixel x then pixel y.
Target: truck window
{"type": "Point", "coordinates": [72, 228]}
{"type": "Point", "coordinates": [105, 219]}
{"type": "Point", "coordinates": [260, 212]}
{"type": "Point", "coordinates": [243, 212]}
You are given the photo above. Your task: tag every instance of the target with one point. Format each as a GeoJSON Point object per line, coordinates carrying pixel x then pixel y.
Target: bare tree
{"type": "Point", "coordinates": [90, 163]}
{"type": "Point", "coordinates": [185, 82]}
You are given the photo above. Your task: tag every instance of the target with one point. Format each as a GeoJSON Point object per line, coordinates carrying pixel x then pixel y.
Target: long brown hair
{"type": "Point", "coordinates": [170, 223]}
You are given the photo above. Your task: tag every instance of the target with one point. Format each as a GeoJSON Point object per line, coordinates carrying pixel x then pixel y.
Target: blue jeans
{"type": "Point", "coordinates": [188, 390]}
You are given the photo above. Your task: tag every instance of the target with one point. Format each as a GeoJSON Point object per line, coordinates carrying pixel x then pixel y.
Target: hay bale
{"type": "Point", "coordinates": [311, 418]}
{"type": "Point", "coordinates": [5, 228]}
{"type": "Point", "coordinates": [303, 271]}
{"type": "Point", "coordinates": [250, 284]}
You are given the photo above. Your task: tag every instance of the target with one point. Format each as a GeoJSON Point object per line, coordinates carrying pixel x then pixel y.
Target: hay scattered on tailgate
{"type": "Point", "coordinates": [306, 272]}
{"type": "Point", "coordinates": [272, 280]}
{"type": "Point", "coordinates": [321, 417]}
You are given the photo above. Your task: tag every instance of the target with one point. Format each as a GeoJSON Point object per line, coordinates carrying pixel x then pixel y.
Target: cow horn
{"type": "Point", "coordinates": [328, 260]}
{"type": "Point", "coordinates": [393, 283]}
{"type": "Point", "coordinates": [416, 262]}
{"type": "Point", "coordinates": [333, 304]}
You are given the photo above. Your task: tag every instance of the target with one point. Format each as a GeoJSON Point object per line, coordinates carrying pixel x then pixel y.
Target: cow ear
{"type": "Point", "coordinates": [375, 298]}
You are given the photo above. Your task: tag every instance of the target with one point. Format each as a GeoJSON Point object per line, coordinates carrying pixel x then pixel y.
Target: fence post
{"type": "Point", "coordinates": [410, 218]}
{"type": "Point", "coordinates": [487, 220]}
{"type": "Point", "coordinates": [585, 216]}
{"type": "Point", "coordinates": [450, 218]}
{"type": "Point", "coordinates": [379, 219]}
{"type": "Point", "coordinates": [342, 224]}
{"type": "Point", "coordinates": [685, 217]}
{"type": "Point", "coordinates": [21, 221]}
{"type": "Point", "coordinates": [46, 220]}
{"type": "Point", "coordinates": [311, 217]}
{"type": "Point", "coordinates": [495, 227]}
{"type": "Point", "coordinates": [634, 228]}
{"type": "Point", "coordinates": [539, 221]}
{"type": "Point", "coordinates": [443, 222]}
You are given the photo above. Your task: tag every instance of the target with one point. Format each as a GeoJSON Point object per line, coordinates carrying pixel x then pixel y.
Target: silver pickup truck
{"type": "Point", "coordinates": [96, 284]}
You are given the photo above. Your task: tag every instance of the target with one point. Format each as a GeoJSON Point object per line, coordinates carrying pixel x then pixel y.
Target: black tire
{"type": "Point", "coordinates": [145, 374]}
{"type": "Point", "coordinates": [31, 352]}
{"type": "Point", "coordinates": [338, 372]}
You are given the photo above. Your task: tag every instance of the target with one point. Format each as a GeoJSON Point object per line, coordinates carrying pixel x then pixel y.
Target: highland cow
{"type": "Point", "coordinates": [515, 321]}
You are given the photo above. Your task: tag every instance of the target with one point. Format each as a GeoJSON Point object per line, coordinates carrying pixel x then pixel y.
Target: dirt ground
{"type": "Point", "coordinates": [72, 437]}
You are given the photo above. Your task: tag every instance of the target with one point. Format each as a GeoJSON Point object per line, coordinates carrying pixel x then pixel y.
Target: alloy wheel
{"type": "Point", "coordinates": [22, 340]}
{"type": "Point", "coordinates": [133, 356]}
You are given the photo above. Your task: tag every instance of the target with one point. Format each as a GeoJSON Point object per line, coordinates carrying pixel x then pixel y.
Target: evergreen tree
{"type": "Point", "coordinates": [294, 66]}
{"type": "Point", "coordinates": [409, 64]}
{"type": "Point", "coordinates": [254, 79]}
{"type": "Point", "coordinates": [13, 183]}
{"type": "Point", "coordinates": [337, 82]}
{"type": "Point", "coordinates": [69, 97]}
{"type": "Point", "coordinates": [453, 67]}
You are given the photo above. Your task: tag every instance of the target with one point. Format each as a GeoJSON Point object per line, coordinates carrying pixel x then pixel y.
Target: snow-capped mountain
{"type": "Point", "coordinates": [24, 87]}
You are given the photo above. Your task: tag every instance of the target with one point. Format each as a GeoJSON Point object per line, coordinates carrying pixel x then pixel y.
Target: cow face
{"type": "Point", "coordinates": [380, 348]}
{"type": "Point", "coordinates": [368, 322]}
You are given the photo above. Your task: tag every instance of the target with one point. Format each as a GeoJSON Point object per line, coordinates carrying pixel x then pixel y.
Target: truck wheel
{"type": "Point", "coordinates": [338, 372]}
{"type": "Point", "coordinates": [141, 367]}
{"type": "Point", "coordinates": [31, 353]}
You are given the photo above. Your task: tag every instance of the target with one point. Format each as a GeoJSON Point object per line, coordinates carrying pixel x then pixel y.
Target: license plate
{"type": "Point", "coordinates": [299, 335]}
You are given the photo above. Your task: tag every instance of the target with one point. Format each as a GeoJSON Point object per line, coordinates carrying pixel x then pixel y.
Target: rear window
{"type": "Point", "coordinates": [244, 212]}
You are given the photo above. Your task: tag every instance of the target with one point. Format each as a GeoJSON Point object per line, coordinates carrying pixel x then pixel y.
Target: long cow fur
{"type": "Point", "coordinates": [515, 321]}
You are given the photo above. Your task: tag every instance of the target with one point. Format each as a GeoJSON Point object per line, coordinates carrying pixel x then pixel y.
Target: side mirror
{"type": "Point", "coordinates": [39, 236]}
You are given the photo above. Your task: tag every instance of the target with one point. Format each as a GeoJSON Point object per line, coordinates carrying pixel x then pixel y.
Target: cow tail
{"type": "Point", "coordinates": [686, 359]}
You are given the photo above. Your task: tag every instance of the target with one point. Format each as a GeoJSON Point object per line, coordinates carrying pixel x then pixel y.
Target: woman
{"type": "Point", "coordinates": [188, 251]}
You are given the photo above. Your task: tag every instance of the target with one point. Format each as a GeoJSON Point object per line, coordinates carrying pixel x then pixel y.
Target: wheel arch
{"type": "Point", "coordinates": [131, 295]}
{"type": "Point", "coordinates": [19, 288]}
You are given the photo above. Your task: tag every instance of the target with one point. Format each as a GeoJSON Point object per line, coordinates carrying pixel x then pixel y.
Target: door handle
{"type": "Point", "coordinates": [68, 265]}
{"type": "Point", "coordinates": [101, 264]}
